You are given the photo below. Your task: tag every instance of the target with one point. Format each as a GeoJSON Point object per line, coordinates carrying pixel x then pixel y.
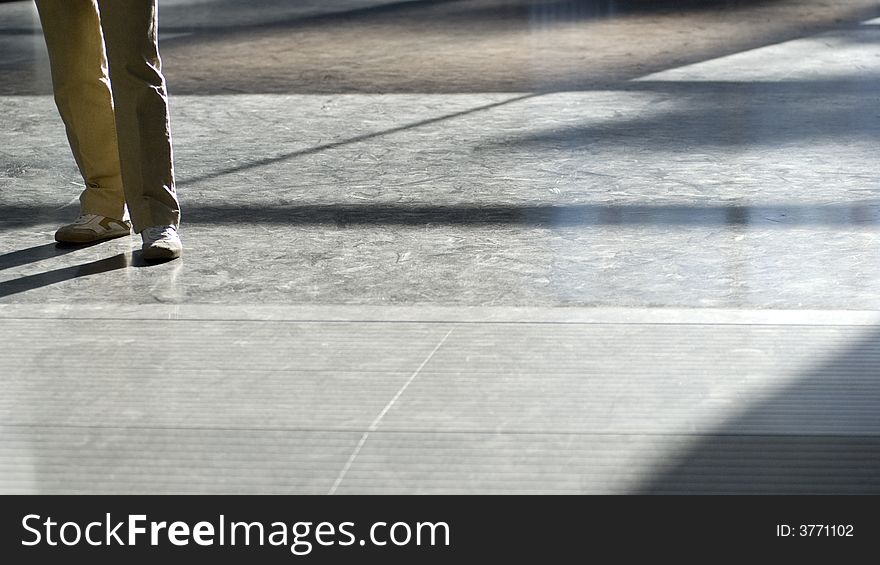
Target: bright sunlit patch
{"type": "Point", "coordinates": [842, 55]}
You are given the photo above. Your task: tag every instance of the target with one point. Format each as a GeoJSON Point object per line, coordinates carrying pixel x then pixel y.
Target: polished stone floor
{"type": "Point", "coordinates": [478, 263]}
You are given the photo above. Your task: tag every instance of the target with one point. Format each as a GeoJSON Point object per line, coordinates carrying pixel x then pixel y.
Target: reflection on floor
{"type": "Point", "coordinates": [630, 282]}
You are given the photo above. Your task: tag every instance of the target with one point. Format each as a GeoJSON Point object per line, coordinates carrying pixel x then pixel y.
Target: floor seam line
{"type": "Point", "coordinates": [869, 324]}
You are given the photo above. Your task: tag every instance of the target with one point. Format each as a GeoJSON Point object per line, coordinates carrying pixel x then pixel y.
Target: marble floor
{"type": "Point", "coordinates": [463, 246]}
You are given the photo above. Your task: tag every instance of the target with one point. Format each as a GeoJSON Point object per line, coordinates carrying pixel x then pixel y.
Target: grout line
{"type": "Point", "coordinates": [56, 429]}
{"type": "Point", "coordinates": [746, 323]}
{"type": "Point", "coordinates": [375, 424]}
{"type": "Point", "coordinates": [341, 315]}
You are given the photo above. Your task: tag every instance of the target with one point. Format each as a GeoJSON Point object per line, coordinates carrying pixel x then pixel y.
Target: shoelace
{"type": "Point", "coordinates": [156, 233]}
{"type": "Point", "coordinates": [84, 219]}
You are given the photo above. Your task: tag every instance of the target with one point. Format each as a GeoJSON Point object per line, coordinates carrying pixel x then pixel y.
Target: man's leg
{"type": "Point", "coordinates": [141, 106]}
{"type": "Point", "coordinates": [82, 94]}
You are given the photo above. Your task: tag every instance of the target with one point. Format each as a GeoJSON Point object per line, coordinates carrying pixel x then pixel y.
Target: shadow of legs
{"type": "Point", "coordinates": [32, 282]}
{"type": "Point", "coordinates": [38, 253]}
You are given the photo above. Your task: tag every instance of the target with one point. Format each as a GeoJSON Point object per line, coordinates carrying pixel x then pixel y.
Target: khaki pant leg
{"type": "Point", "coordinates": [141, 104]}
{"type": "Point", "coordinates": [82, 93]}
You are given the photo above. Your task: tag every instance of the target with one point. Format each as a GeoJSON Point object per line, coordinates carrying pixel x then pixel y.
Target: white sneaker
{"type": "Point", "coordinates": [89, 228]}
{"type": "Point", "coordinates": [161, 243]}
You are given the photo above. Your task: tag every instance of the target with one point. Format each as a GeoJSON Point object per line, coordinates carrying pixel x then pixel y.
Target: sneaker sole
{"type": "Point", "coordinates": [161, 254]}
{"type": "Point", "coordinates": [73, 237]}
